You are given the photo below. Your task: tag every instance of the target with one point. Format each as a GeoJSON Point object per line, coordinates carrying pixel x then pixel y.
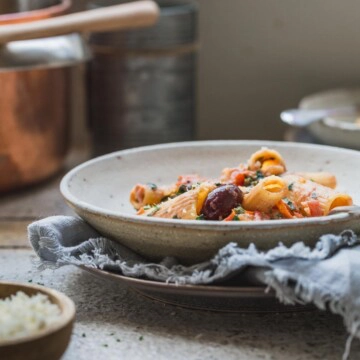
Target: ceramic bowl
{"type": "Point", "coordinates": [343, 131]}
{"type": "Point", "coordinates": [98, 190]}
{"type": "Point", "coordinates": [49, 343]}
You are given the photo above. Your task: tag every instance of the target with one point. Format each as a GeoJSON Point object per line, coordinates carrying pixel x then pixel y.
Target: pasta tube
{"type": "Point", "coordinates": [269, 161]}
{"type": "Point", "coordinates": [184, 206]}
{"type": "Point", "coordinates": [314, 199]}
{"type": "Point", "coordinates": [266, 194]}
{"type": "Point", "coordinates": [323, 178]}
{"type": "Point", "coordinates": [148, 194]}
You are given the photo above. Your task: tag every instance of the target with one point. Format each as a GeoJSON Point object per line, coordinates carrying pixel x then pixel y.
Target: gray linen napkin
{"type": "Point", "coordinates": [327, 276]}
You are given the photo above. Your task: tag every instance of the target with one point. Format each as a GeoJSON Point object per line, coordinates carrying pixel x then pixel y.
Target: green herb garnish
{"type": "Point", "coordinates": [291, 186]}
{"type": "Point", "coordinates": [239, 210]}
{"type": "Point", "coordinates": [259, 174]}
{"type": "Point", "coordinates": [200, 217]}
{"type": "Point", "coordinates": [289, 203]}
{"type": "Point", "coordinates": [248, 181]}
{"type": "Point", "coordinates": [152, 186]}
{"type": "Point", "coordinates": [154, 209]}
{"type": "Point", "coordinates": [182, 189]}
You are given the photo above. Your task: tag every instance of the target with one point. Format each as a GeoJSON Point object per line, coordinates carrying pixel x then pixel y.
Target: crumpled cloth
{"type": "Point", "coordinates": [327, 275]}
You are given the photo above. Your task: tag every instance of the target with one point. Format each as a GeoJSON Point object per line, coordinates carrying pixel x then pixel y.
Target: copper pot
{"type": "Point", "coordinates": [34, 81]}
{"type": "Point", "coordinates": [16, 11]}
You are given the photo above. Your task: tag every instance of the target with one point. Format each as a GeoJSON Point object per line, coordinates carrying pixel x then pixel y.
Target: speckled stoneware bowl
{"type": "Point", "coordinates": [99, 189]}
{"type": "Point", "coordinates": [336, 130]}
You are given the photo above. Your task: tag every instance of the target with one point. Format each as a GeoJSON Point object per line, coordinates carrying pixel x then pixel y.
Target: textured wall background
{"type": "Point", "coordinates": [260, 56]}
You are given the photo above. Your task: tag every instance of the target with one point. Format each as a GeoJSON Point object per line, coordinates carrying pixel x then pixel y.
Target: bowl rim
{"type": "Point", "coordinates": [68, 311]}
{"type": "Point", "coordinates": [73, 201]}
{"type": "Point", "coordinates": [330, 122]}
{"type": "Point", "coordinates": [337, 124]}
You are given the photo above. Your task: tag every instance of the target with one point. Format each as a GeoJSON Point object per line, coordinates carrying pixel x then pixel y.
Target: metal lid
{"type": "Point", "coordinates": [48, 52]}
{"type": "Point", "coordinates": [177, 25]}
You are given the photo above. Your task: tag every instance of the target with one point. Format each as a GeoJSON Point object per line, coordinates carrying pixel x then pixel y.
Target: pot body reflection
{"type": "Point", "coordinates": [34, 126]}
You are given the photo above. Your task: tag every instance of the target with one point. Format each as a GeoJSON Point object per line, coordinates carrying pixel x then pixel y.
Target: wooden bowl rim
{"type": "Point", "coordinates": [66, 305]}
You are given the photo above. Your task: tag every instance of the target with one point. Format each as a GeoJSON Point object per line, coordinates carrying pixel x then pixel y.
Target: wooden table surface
{"type": "Point", "coordinates": [114, 322]}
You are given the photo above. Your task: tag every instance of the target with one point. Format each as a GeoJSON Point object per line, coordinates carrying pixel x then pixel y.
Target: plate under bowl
{"type": "Point", "coordinates": [219, 298]}
{"type": "Point", "coordinates": [98, 190]}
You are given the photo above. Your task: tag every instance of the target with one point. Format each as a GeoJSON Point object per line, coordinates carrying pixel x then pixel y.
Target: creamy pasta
{"type": "Point", "coordinates": [259, 189]}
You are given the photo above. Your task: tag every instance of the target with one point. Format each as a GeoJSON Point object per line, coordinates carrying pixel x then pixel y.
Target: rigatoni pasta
{"type": "Point", "coordinates": [313, 199]}
{"type": "Point", "coordinates": [266, 194]}
{"type": "Point", "coordinates": [258, 189]}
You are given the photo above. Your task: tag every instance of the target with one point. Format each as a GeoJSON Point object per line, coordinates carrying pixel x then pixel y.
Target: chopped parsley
{"type": "Point", "coordinates": [289, 203]}
{"type": "Point", "coordinates": [152, 186]}
{"type": "Point", "coordinates": [217, 184]}
{"type": "Point", "coordinates": [200, 217]}
{"type": "Point", "coordinates": [291, 186]}
{"type": "Point", "coordinates": [253, 180]}
{"type": "Point", "coordinates": [239, 210]}
{"type": "Point", "coordinates": [259, 175]}
{"type": "Point", "coordinates": [175, 217]}
{"type": "Point", "coordinates": [154, 210]}
{"type": "Point", "coordinates": [248, 181]}
{"type": "Point", "coordinates": [193, 186]}
{"type": "Point", "coordinates": [235, 218]}
{"type": "Point", "coordinates": [182, 189]}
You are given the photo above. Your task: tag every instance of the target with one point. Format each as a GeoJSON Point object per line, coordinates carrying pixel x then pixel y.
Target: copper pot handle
{"type": "Point", "coordinates": [125, 16]}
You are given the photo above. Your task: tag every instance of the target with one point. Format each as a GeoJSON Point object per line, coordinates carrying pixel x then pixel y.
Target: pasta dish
{"type": "Point", "coordinates": [260, 189]}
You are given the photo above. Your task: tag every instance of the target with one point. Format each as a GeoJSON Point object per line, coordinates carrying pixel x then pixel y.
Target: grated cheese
{"type": "Point", "coordinates": [22, 315]}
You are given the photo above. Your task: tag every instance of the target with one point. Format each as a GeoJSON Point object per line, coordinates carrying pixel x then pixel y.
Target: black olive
{"type": "Point", "coordinates": [221, 201]}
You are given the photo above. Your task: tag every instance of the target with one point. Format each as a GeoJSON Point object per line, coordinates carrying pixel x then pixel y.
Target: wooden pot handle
{"type": "Point", "coordinates": [125, 16]}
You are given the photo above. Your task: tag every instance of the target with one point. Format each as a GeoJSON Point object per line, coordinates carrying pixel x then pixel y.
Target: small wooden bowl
{"type": "Point", "coordinates": [49, 343]}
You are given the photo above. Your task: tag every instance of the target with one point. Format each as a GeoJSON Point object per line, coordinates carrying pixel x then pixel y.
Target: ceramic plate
{"type": "Point", "coordinates": [203, 297]}
{"type": "Point", "coordinates": [98, 190]}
